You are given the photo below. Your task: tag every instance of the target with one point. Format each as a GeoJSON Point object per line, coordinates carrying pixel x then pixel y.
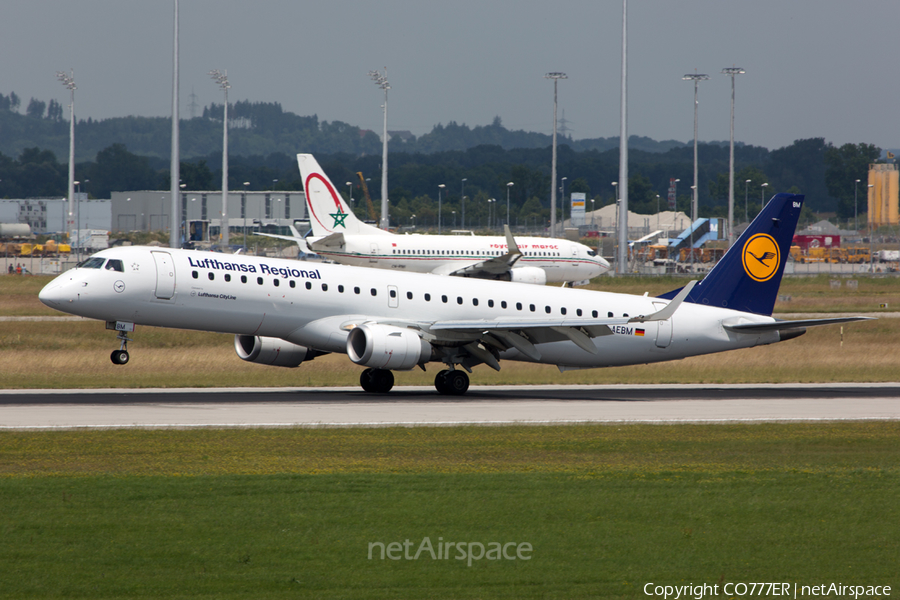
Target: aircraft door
{"type": "Point", "coordinates": [165, 275]}
{"type": "Point", "coordinates": [664, 330]}
{"type": "Point", "coordinates": [374, 253]}
{"type": "Point", "coordinates": [393, 296]}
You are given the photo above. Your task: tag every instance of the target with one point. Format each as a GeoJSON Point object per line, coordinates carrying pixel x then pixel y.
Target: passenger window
{"type": "Point", "coordinates": [490, 303]}
{"type": "Point", "coordinates": [562, 310]}
{"type": "Point", "coordinates": [409, 295]}
{"type": "Point", "coordinates": [578, 312]}
{"type": "Point", "coordinates": [340, 289]}
{"type": "Point", "coordinates": [227, 276]}
{"type": "Point", "coordinates": [393, 293]}
{"type": "Point", "coordinates": [324, 287]}
{"type": "Point", "coordinates": [518, 306]}
{"type": "Point", "coordinates": [356, 290]}
{"type": "Point", "coordinates": [624, 314]}
{"type": "Point", "coordinates": [474, 301]}
{"type": "Point", "coordinates": [243, 279]}
{"type": "Point", "coordinates": [444, 299]}
{"type": "Point", "coordinates": [293, 283]}
{"type": "Point", "coordinates": [374, 292]}
{"type": "Point", "coordinates": [308, 285]}
{"type": "Point", "coordinates": [459, 300]}
{"type": "Point", "coordinates": [547, 309]}
{"type": "Point", "coordinates": [531, 306]}
{"type": "Point", "coordinates": [259, 280]}
{"type": "Point", "coordinates": [194, 274]}
{"type": "Point", "coordinates": [427, 297]}
{"type": "Point", "coordinates": [594, 314]}
{"type": "Point", "coordinates": [275, 282]}
{"type": "Point", "coordinates": [609, 314]}
{"type": "Point", "coordinates": [503, 304]}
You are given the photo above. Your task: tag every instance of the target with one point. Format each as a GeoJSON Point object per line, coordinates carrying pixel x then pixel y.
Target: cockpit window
{"type": "Point", "coordinates": [591, 253]}
{"type": "Point", "coordinates": [115, 264]}
{"type": "Point", "coordinates": [92, 263]}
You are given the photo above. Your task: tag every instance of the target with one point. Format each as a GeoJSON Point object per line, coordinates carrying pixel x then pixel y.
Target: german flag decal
{"type": "Point", "coordinates": [639, 332]}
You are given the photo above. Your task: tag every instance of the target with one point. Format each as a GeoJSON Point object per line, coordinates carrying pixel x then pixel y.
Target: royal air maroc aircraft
{"type": "Point", "coordinates": [340, 236]}
{"type": "Point", "coordinates": [283, 312]}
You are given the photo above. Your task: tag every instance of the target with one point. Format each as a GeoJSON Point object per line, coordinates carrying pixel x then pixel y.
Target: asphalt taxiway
{"type": "Point", "coordinates": [422, 406]}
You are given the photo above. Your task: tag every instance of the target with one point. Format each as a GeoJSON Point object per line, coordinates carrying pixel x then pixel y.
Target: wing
{"type": "Point", "coordinates": [492, 268]}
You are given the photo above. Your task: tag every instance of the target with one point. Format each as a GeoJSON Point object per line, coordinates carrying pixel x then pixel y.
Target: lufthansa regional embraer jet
{"type": "Point", "coordinates": [283, 312]}
{"type": "Point", "coordinates": [340, 236]}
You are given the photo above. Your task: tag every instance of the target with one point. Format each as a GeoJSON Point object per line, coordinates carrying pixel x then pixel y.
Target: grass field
{"type": "Point", "coordinates": [291, 513]}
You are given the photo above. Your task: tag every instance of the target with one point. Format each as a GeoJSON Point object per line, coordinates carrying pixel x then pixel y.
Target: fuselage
{"type": "Point", "coordinates": [561, 260]}
{"type": "Point", "coordinates": [316, 305]}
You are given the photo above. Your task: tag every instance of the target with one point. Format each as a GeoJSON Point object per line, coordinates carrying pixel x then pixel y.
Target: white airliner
{"type": "Point", "coordinates": [340, 236]}
{"type": "Point", "coordinates": [283, 312]}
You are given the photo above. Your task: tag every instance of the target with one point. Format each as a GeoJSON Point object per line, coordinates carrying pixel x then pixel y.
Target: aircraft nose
{"type": "Point", "coordinates": [604, 265]}
{"type": "Point", "coordinates": [51, 295]}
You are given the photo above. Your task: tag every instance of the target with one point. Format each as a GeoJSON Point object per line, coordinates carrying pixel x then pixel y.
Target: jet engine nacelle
{"type": "Point", "coordinates": [270, 351]}
{"type": "Point", "coordinates": [386, 347]}
{"type": "Point", "coordinates": [528, 275]}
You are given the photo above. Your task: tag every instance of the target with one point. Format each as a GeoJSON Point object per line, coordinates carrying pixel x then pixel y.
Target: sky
{"type": "Point", "coordinates": [814, 68]}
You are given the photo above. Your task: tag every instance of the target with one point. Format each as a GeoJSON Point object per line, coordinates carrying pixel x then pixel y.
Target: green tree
{"type": "Point", "coordinates": [118, 170]}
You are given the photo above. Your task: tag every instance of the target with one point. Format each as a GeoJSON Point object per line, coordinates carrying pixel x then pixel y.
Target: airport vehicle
{"type": "Point", "coordinates": [339, 235]}
{"type": "Point", "coordinates": [284, 312]}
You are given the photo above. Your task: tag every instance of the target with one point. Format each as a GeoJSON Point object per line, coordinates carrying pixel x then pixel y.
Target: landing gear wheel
{"type": "Point", "coordinates": [119, 357]}
{"type": "Point", "coordinates": [440, 382]}
{"type": "Point", "coordinates": [456, 383]}
{"type": "Point", "coordinates": [376, 381]}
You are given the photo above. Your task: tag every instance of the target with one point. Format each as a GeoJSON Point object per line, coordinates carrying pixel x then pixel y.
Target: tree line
{"type": "Point", "coordinates": [825, 173]}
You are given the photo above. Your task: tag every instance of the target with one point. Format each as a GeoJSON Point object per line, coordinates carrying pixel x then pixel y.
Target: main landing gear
{"type": "Point", "coordinates": [120, 356]}
{"type": "Point", "coordinates": [376, 381]}
{"type": "Point", "coordinates": [451, 383]}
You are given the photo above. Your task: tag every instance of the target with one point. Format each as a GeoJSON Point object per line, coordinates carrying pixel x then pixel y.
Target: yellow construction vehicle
{"type": "Point", "coordinates": [362, 180]}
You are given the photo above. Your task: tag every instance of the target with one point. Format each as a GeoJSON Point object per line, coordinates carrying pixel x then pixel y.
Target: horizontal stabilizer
{"type": "Point", "coordinates": [782, 325]}
{"type": "Point", "coordinates": [669, 309]}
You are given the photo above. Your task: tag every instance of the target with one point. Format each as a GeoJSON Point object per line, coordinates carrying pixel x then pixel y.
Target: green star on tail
{"type": "Point", "coordinates": [339, 218]}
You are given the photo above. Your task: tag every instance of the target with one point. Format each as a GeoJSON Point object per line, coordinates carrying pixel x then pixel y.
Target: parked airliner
{"type": "Point", "coordinates": [284, 312]}
{"type": "Point", "coordinates": [339, 235]}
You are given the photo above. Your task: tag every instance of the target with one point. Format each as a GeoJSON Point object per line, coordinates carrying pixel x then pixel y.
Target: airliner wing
{"type": "Point", "coordinates": [304, 247]}
{"type": "Point", "coordinates": [334, 241]}
{"type": "Point", "coordinates": [493, 267]}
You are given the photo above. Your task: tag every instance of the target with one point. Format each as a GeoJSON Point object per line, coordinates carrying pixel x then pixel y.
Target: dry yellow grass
{"type": "Point", "coordinates": [76, 354]}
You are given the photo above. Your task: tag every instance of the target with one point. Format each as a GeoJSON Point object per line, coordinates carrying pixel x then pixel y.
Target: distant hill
{"type": "Point", "coordinates": [259, 129]}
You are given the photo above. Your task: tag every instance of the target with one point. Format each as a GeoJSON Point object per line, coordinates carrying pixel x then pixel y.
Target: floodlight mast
{"type": "Point", "coordinates": [555, 76]}
{"type": "Point", "coordinates": [381, 81]}
{"type": "Point", "coordinates": [732, 71]}
{"type": "Point", "coordinates": [221, 78]}
{"type": "Point", "coordinates": [622, 217]}
{"type": "Point", "coordinates": [175, 168]}
{"type": "Point", "coordinates": [696, 78]}
{"type": "Point", "coordinates": [68, 81]}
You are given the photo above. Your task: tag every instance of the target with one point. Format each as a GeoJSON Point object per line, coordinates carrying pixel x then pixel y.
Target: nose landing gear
{"type": "Point", "coordinates": [120, 356]}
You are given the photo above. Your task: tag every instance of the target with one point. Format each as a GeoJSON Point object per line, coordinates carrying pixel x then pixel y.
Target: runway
{"type": "Point", "coordinates": [422, 406]}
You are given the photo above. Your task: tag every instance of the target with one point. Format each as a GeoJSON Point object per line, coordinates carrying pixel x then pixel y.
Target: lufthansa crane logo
{"type": "Point", "coordinates": [761, 257]}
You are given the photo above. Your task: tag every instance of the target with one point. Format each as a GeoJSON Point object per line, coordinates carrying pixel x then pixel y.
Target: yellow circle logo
{"type": "Point", "coordinates": [761, 257]}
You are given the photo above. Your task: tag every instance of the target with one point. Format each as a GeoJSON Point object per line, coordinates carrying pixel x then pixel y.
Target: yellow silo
{"type": "Point", "coordinates": [884, 195]}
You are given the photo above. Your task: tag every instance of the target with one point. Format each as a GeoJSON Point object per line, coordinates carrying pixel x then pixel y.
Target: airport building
{"type": "Point", "coordinates": [48, 215]}
{"type": "Point", "coordinates": [150, 210]}
{"type": "Point", "coordinates": [884, 194]}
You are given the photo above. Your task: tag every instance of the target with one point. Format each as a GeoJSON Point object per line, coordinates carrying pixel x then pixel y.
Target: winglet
{"type": "Point", "coordinates": [511, 246]}
{"type": "Point", "coordinates": [669, 309]}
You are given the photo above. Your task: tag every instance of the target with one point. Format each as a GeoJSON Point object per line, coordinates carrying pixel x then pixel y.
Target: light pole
{"type": "Point", "coordinates": [462, 199]}
{"type": "Point", "coordinates": [221, 78]}
{"type": "Point", "coordinates": [562, 188]}
{"type": "Point", "coordinates": [555, 76]}
{"type": "Point", "coordinates": [246, 186]}
{"type": "Point", "coordinates": [441, 187]}
{"type": "Point", "coordinates": [732, 71]}
{"type": "Point", "coordinates": [592, 213]}
{"type": "Point", "coordinates": [762, 200]}
{"type": "Point", "coordinates": [175, 165]}
{"type": "Point", "coordinates": [381, 81]}
{"type": "Point", "coordinates": [68, 82]}
{"type": "Point", "coordinates": [746, 184]}
{"type": "Point", "coordinates": [616, 227]}
{"type": "Point", "coordinates": [454, 219]}
{"type": "Point", "coordinates": [350, 193]}
{"type": "Point", "coordinates": [508, 185]}
{"type": "Point", "coordinates": [855, 205]}
{"type": "Point", "coordinates": [696, 78]}
{"type": "Point", "coordinates": [657, 212]}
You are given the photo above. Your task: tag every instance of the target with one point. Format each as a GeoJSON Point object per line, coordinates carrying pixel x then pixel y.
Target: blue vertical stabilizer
{"type": "Point", "coordinates": [749, 275]}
